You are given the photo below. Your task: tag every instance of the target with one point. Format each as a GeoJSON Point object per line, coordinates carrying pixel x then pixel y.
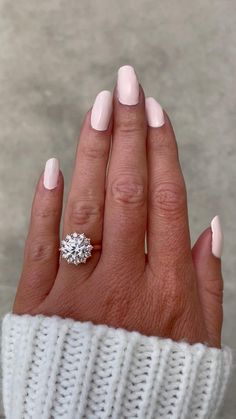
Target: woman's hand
{"type": "Point", "coordinates": [172, 291]}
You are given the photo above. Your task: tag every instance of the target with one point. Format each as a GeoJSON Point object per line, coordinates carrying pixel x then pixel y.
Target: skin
{"type": "Point", "coordinates": [173, 291]}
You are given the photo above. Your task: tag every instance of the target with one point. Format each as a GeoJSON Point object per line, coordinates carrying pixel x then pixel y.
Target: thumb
{"type": "Point", "coordinates": [207, 260]}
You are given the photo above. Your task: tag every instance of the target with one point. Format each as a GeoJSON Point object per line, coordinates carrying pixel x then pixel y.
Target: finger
{"type": "Point", "coordinates": [207, 259]}
{"type": "Point", "coordinates": [85, 204]}
{"type": "Point", "coordinates": [125, 205]}
{"type": "Point", "coordinates": [168, 238]}
{"type": "Point", "coordinates": [41, 256]}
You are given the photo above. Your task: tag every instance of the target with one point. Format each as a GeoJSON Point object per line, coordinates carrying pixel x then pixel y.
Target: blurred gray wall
{"type": "Point", "coordinates": [54, 58]}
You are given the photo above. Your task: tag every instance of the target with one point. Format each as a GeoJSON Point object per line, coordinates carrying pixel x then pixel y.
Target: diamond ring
{"type": "Point", "coordinates": [76, 248]}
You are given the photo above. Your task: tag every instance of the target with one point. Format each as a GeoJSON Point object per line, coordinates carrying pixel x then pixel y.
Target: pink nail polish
{"type": "Point", "coordinates": [155, 115]}
{"type": "Point", "coordinates": [127, 86]}
{"type": "Point", "coordinates": [51, 173]}
{"type": "Point", "coordinates": [101, 112]}
{"type": "Point", "coordinates": [217, 237]}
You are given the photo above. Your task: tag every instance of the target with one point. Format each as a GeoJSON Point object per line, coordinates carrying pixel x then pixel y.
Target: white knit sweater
{"type": "Point", "coordinates": [56, 368]}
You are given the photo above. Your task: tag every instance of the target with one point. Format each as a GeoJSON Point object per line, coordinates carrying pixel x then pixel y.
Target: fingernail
{"type": "Point", "coordinates": [51, 173]}
{"type": "Point", "coordinates": [154, 111]}
{"type": "Point", "coordinates": [101, 111]}
{"type": "Point", "coordinates": [127, 86]}
{"type": "Point", "coordinates": [217, 237]}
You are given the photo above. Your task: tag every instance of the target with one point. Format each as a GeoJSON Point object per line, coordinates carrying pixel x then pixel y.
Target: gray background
{"type": "Point", "coordinates": [54, 58]}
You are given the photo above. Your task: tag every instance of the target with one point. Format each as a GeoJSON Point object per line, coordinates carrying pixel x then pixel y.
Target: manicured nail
{"type": "Point", "coordinates": [217, 237]}
{"type": "Point", "coordinates": [101, 112]}
{"type": "Point", "coordinates": [154, 111]}
{"type": "Point", "coordinates": [127, 86]}
{"type": "Point", "coordinates": [51, 173]}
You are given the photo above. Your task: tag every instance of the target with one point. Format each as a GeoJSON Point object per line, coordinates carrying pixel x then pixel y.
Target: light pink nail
{"type": "Point", "coordinates": [101, 112]}
{"type": "Point", "coordinates": [154, 111]}
{"type": "Point", "coordinates": [51, 173]}
{"type": "Point", "coordinates": [127, 86]}
{"type": "Point", "coordinates": [217, 237]}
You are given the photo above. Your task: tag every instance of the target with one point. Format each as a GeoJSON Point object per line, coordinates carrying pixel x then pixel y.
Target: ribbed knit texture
{"type": "Point", "coordinates": [61, 368]}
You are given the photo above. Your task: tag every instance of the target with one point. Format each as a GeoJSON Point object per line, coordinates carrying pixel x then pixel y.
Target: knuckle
{"type": "Point", "coordinates": [40, 251]}
{"type": "Point", "coordinates": [169, 197]}
{"type": "Point", "coordinates": [129, 189]}
{"type": "Point", "coordinates": [176, 278]}
{"type": "Point", "coordinates": [174, 302]}
{"type": "Point", "coordinates": [163, 145]}
{"type": "Point", "coordinates": [84, 212]}
{"type": "Point", "coordinates": [215, 289]}
{"type": "Point", "coordinates": [94, 150]}
{"type": "Point", "coordinates": [47, 211]}
{"type": "Point", "coordinates": [157, 140]}
{"type": "Point", "coordinates": [130, 124]}
{"type": "Point", "coordinates": [130, 131]}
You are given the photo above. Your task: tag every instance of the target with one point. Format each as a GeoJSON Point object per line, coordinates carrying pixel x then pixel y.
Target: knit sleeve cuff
{"type": "Point", "coordinates": [61, 368]}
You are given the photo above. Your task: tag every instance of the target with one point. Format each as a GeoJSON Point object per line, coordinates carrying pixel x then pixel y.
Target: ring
{"type": "Point", "coordinates": [76, 248]}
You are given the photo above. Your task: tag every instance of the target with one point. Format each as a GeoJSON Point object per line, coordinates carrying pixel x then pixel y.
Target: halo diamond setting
{"type": "Point", "coordinates": [76, 248]}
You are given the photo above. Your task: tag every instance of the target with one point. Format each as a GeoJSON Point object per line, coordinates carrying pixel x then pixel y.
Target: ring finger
{"type": "Point", "coordinates": [168, 237]}
{"type": "Point", "coordinates": [85, 204]}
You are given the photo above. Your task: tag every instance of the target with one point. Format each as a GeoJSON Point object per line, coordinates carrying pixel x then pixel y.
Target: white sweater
{"type": "Point", "coordinates": [56, 368]}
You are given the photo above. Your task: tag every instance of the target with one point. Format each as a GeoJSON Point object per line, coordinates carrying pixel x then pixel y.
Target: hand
{"type": "Point", "coordinates": [172, 291]}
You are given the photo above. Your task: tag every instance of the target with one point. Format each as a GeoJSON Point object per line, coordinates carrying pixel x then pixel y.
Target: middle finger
{"type": "Point", "coordinates": [125, 204]}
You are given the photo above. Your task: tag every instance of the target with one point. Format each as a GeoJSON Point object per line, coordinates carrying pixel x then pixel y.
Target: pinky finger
{"type": "Point", "coordinates": [41, 255]}
{"type": "Point", "coordinates": [207, 259]}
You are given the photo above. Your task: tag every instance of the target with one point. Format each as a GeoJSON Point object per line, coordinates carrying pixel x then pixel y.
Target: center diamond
{"type": "Point", "coordinates": [76, 248]}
